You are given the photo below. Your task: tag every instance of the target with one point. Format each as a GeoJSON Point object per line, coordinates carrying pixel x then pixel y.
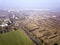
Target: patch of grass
{"type": "Point", "coordinates": [15, 38]}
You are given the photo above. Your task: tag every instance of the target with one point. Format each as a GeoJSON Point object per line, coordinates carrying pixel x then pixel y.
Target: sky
{"type": "Point", "coordinates": [30, 4]}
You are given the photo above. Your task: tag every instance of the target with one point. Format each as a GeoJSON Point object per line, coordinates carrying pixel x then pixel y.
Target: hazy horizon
{"type": "Point", "coordinates": [30, 4]}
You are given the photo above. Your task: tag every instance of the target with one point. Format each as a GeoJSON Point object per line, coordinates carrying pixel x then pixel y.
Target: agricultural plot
{"type": "Point", "coordinates": [15, 38]}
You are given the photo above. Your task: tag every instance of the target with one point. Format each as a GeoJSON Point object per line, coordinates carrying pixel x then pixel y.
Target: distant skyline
{"type": "Point", "coordinates": [30, 4]}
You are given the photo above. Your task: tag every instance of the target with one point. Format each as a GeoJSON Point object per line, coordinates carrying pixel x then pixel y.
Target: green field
{"type": "Point", "coordinates": [15, 38]}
